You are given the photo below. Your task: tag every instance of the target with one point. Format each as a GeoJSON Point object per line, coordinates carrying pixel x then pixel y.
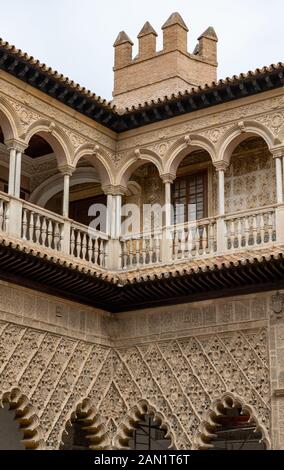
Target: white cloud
{"type": "Point", "coordinates": [76, 37]}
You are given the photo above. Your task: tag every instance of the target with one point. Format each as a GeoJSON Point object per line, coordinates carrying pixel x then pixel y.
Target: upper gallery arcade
{"type": "Point", "coordinates": [173, 136]}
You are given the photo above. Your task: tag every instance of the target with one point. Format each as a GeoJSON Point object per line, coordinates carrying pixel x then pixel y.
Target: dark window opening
{"type": "Point", "coordinates": [237, 432]}
{"type": "Point", "coordinates": [189, 198]}
{"type": "Point", "coordinates": [149, 436]}
{"type": "Point", "coordinates": [76, 438]}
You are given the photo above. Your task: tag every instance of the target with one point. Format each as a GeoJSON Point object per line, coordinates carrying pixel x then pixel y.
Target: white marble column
{"type": "Point", "coordinates": [221, 191]}
{"type": "Point", "coordinates": [168, 202]}
{"type": "Point", "coordinates": [66, 196]}
{"type": "Point", "coordinates": [18, 172]}
{"type": "Point", "coordinates": [279, 178]}
{"type": "Point", "coordinates": [109, 216]}
{"type": "Point", "coordinates": [167, 235]}
{"type": "Point", "coordinates": [118, 208]}
{"type": "Point", "coordinates": [221, 168]}
{"type": "Point", "coordinates": [12, 168]}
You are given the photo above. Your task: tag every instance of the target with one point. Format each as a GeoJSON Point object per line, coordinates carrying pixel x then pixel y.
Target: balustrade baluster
{"type": "Point", "coordinates": [84, 246]}
{"type": "Point", "coordinates": [96, 251]}
{"type": "Point", "coordinates": [101, 253]}
{"type": "Point", "coordinates": [270, 226]}
{"type": "Point", "coordinates": [72, 242]}
{"type": "Point", "coordinates": [131, 256]}
{"type": "Point", "coordinates": [240, 232]}
{"type": "Point", "coordinates": [43, 231]}
{"type": "Point", "coordinates": [137, 251]}
{"type": "Point", "coordinates": [57, 238]}
{"type": "Point", "coordinates": [255, 230]}
{"type": "Point", "coordinates": [211, 239]}
{"type": "Point", "coordinates": [31, 227]}
{"type": "Point", "coordinates": [197, 241]}
{"type": "Point", "coordinates": [25, 225]}
{"type": "Point", "coordinates": [262, 229]}
{"type": "Point", "coordinates": [49, 233]}
{"type": "Point", "coordinates": [90, 248]}
{"type": "Point", "coordinates": [247, 231]}
{"type": "Point", "coordinates": [37, 228]}
{"type": "Point", "coordinates": [190, 246]}
{"type": "Point", "coordinates": [78, 243]}
{"type": "Point", "coordinates": [232, 234]}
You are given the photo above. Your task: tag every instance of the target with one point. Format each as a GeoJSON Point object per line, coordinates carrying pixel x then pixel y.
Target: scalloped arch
{"type": "Point", "coordinates": [9, 121]}
{"type": "Point", "coordinates": [98, 159]}
{"type": "Point", "coordinates": [126, 428]}
{"type": "Point", "coordinates": [135, 162]}
{"type": "Point", "coordinates": [92, 424]}
{"type": "Point", "coordinates": [180, 149]}
{"type": "Point", "coordinates": [56, 138]}
{"type": "Point", "coordinates": [26, 417]}
{"type": "Point", "coordinates": [237, 134]}
{"type": "Point", "coordinates": [209, 425]}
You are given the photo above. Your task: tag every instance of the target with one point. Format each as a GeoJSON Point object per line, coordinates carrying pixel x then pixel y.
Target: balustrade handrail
{"type": "Point", "coordinates": [194, 223]}
{"type": "Point", "coordinates": [141, 235]}
{"type": "Point", "coordinates": [248, 212]}
{"type": "Point", "coordinates": [88, 230]}
{"type": "Point", "coordinates": [4, 196]}
{"type": "Point", "coordinates": [42, 211]}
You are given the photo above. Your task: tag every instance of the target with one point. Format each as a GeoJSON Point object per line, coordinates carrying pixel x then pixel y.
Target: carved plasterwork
{"type": "Point", "coordinates": [179, 379]}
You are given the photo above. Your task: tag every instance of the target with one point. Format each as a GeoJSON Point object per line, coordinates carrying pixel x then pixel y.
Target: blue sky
{"type": "Point", "coordinates": [76, 37]}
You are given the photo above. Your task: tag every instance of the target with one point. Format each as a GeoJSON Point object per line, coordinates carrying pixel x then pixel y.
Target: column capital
{"type": "Point", "coordinates": [16, 144]}
{"type": "Point", "coordinates": [66, 169]}
{"type": "Point", "coordinates": [112, 190]}
{"type": "Point", "coordinates": [168, 178]}
{"type": "Point", "coordinates": [277, 152]}
{"type": "Point", "coordinates": [221, 165]}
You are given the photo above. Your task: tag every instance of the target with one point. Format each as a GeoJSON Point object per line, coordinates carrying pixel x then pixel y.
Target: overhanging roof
{"type": "Point", "coordinates": [258, 271]}
{"type": "Point", "coordinates": [52, 83]}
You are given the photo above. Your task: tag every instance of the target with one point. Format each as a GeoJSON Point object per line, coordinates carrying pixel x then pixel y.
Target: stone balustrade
{"type": "Point", "coordinates": [194, 239]}
{"type": "Point", "coordinates": [244, 230]}
{"type": "Point", "coordinates": [250, 228]}
{"type": "Point", "coordinates": [141, 250]}
{"type": "Point", "coordinates": [41, 227]}
{"type": "Point", "coordinates": [88, 245]}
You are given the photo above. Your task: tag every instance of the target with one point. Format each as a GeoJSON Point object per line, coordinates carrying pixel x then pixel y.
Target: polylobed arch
{"type": "Point", "coordinates": [128, 425]}
{"type": "Point", "coordinates": [238, 134]}
{"type": "Point", "coordinates": [92, 424]}
{"type": "Point", "coordinates": [139, 158]}
{"type": "Point", "coordinates": [54, 185]}
{"type": "Point", "coordinates": [183, 148]}
{"type": "Point", "coordinates": [26, 418]}
{"type": "Point", "coordinates": [210, 423]}
{"type": "Point", "coordinates": [98, 159]}
{"type": "Point", "coordinates": [55, 137]}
